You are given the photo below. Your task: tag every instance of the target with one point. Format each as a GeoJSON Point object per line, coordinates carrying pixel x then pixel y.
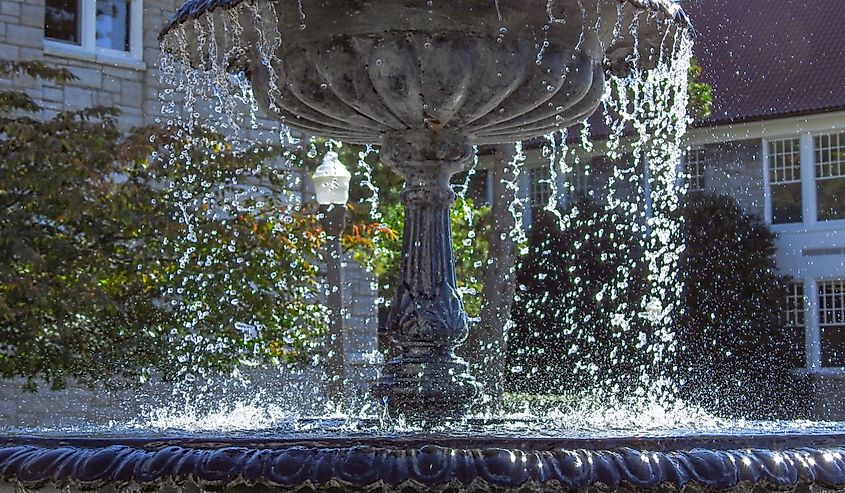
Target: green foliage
{"type": "Point", "coordinates": [126, 253]}
{"type": "Point", "coordinates": [375, 236]}
{"type": "Point", "coordinates": [732, 355]}
{"type": "Point", "coordinates": [700, 93]}
{"type": "Point", "coordinates": [469, 242]}
{"type": "Point", "coordinates": [733, 346]}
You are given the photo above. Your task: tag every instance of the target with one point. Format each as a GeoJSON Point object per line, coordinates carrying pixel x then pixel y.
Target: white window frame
{"type": "Point", "coordinates": [88, 50]}
{"type": "Point", "coordinates": [808, 186]}
{"type": "Point", "coordinates": [815, 178]}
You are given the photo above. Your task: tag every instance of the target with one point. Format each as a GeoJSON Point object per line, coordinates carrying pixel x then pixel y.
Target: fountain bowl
{"type": "Point", "coordinates": [356, 71]}
{"type": "Point", "coordinates": [423, 463]}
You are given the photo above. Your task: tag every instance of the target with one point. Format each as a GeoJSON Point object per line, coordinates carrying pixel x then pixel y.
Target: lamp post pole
{"type": "Point", "coordinates": [333, 220]}
{"type": "Point", "coordinates": [331, 185]}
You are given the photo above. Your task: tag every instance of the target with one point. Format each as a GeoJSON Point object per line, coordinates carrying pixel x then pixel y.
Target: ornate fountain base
{"type": "Point", "coordinates": [427, 319]}
{"type": "Point", "coordinates": [431, 463]}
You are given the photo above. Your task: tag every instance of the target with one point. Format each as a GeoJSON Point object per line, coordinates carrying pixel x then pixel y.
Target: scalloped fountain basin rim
{"type": "Point", "coordinates": [193, 9]}
{"type": "Point", "coordinates": [426, 462]}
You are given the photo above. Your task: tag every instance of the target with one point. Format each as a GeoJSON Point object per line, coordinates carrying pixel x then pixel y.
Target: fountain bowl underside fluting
{"type": "Point", "coordinates": [424, 463]}
{"type": "Point", "coordinates": [356, 71]}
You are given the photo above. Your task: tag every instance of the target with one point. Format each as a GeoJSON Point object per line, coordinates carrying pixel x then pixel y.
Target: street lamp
{"type": "Point", "coordinates": [331, 185]}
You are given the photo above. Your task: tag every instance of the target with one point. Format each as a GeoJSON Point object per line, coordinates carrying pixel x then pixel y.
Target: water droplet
{"type": "Point", "coordinates": [379, 62]}
{"type": "Point", "coordinates": [324, 86]}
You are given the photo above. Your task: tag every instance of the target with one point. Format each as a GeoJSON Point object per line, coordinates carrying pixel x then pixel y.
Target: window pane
{"type": "Point", "coordinates": [830, 196]}
{"type": "Point", "coordinates": [833, 346]}
{"type": "Point", "coordinates": [830, 176]}
{"type": "Point", "coordinates": [786, 203]}
{"type": "Point", "coordinates": [793, 324]}
{"type": "Point", "coordinates": [539, 187]}
{"type": "Point", "coordinates": [113, 24]}
{"type": "Point", "coordinates": [785, 161]}
{"type": "Point", "coordinates": [695, 170]}
{"type": "Point", "coordinates": [832, 321]}
{"type": "Point", "coordinates": [61, 20]}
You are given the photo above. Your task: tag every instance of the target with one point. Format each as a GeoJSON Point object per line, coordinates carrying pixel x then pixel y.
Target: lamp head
{"type": "Point", "coordinates": [331, 181]}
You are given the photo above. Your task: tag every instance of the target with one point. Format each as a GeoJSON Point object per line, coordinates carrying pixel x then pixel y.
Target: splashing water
{"type": "Point", "coordinates": [645, 117]}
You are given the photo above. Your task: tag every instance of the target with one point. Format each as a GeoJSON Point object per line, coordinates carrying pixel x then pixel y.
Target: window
{"type": "Point", "coordinates": [830, 176]}
{"type": "Point", "coordinates": [785, 180]}
{"type": "Point", "coordinates": [108, 26]}
{"type": "Point", "coordinates": [694, 160]}
{"type": "Point", "coordinates": [793, 323]}
{"type": "Point", "coordinates": [61, 21]}
{"type": "Point", "coordinates": [539, 187]}
{"type": "Point", "coordinates": [832, 322]}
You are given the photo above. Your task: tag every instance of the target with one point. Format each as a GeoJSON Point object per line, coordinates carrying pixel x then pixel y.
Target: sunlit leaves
{"type": "Point", "coordinates": [152, 251]}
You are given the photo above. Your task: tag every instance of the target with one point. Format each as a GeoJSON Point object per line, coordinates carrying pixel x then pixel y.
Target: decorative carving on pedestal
{"type": "Point", "coordinates": [427, 320]}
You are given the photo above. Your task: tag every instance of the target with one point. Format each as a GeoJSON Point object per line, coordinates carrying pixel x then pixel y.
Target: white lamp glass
{"type": "Point", "coordinates": [331, 181]}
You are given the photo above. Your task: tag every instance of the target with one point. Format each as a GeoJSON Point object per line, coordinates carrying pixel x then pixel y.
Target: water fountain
{"type": "Point", "coordinates": [426, 82]}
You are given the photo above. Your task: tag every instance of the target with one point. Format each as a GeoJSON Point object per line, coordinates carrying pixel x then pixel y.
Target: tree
{"type": "Point", "coordinates": [734, 355]}
{"type": "Point", "coordinates": [568, 333]}
{"type": "Point", "coordinates": [700, 93]}
{"type": "Point", "coordinates": [153, 251]}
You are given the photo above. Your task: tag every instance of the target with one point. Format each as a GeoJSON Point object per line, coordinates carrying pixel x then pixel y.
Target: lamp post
{"type": "Point", "coordinates": [331, 185]}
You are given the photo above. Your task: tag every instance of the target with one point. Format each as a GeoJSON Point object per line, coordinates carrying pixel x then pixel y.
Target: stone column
{"type": "Point", "coordinates": [427, 319]}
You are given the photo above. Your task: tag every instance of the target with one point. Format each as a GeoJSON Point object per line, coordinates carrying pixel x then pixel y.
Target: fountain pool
{"type": "Point", "coordinates": [428, 82]}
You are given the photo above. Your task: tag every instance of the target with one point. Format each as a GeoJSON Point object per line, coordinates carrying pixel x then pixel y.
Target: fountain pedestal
{"type": "Point", "coordinates": [427, 318]}
{"type": "Point", "coordinates": [427, 82]}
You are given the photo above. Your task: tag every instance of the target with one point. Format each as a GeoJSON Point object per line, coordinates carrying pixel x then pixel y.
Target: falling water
{"type": "Point", "coordinates": [641, 186]}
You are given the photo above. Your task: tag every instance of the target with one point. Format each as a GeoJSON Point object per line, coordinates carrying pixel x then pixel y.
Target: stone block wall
{"type": "Point", "coordinates": [360, 324]}
{"type": "Point", "coordinates": [130, 85]}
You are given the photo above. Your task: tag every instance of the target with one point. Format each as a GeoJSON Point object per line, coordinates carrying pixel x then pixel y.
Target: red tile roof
{"type": "Point", "coordinates": [770, 58]}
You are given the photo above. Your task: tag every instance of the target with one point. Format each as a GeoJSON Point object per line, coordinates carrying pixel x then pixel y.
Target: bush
{"type": "Point", "coordinates": [563, 306]}
{"type": "Point", "coordinates": [731, 353]}
{"type": "Point", "coordinates": [734, 356]}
